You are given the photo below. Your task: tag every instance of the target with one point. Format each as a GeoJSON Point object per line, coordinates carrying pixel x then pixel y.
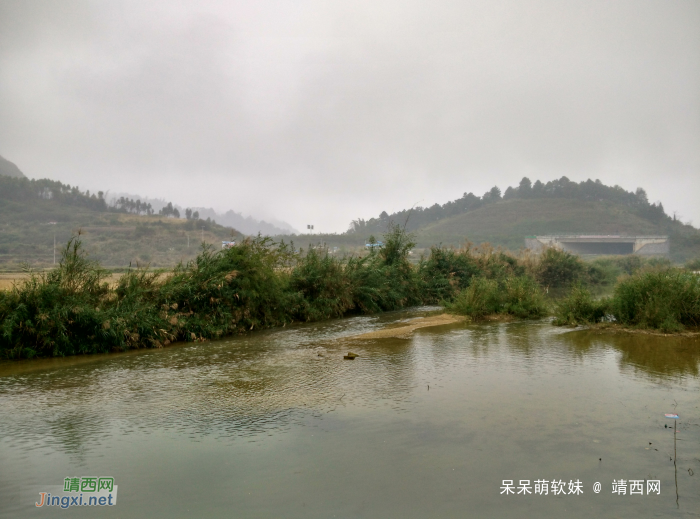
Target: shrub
{"type": "Point", "coordinates": [256, 284]}
{"type": "Point", "coordinates": [602, 272]}
{"type": "Point", "coordinates": [558, 268]}
{"type": "Point", "coordinates": [579, 308]}
{"type": "Point", "coordinates": [693, 265]}
{"type": "Point", "coordinates": [322, 282]}
{"type": "Point", "coordinates": [446, 272]}
{"type": "Point", "coordinates": [523, 298]}
{"type": "Point", "coordinates": [387, 280]}
{"type": "Point", "coordinates": [481, 298]}
{"type": "Point", "coordinates": [56, 312]}
{"type": "Point", "coordinates": [518, 296]}
{"type": "Point", "coordinates": [666, 300]}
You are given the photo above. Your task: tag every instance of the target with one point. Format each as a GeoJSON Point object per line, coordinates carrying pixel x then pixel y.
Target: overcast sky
{"type": "Point", "coordinates": [321, 112]}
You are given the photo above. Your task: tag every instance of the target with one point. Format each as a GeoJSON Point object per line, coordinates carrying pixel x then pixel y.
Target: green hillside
{"type": "Point", "coordinates": [508, 222]}
{"type": "Point", "coordinates": [557, 207]}
{"type": "Point", "coordinates": [34, 212]}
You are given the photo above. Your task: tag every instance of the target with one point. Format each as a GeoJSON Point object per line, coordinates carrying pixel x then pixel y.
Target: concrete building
{"type": "Point", "coordinates": [584, 244]}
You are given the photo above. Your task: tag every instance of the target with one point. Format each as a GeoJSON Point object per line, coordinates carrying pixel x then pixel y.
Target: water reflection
{"type": "Point", "coordinates": [657, 357]}
{"type": "Point", "coordinates": [458, 407]}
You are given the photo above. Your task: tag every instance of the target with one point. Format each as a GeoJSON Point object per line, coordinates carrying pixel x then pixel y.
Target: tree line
{"type": "Point", "coordinates": [24, 190]}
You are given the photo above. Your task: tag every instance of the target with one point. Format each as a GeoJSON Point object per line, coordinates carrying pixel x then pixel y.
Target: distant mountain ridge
{"type": "Point", "coordinates": [10, 169]}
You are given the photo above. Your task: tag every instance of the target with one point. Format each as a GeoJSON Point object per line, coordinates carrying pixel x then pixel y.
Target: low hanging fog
{"type": "Point", "coordinates": [317, 112]}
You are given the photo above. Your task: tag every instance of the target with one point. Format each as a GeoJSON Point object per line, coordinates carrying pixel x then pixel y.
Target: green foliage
{"type": "Point", "coordinates": [666, 300]}
{"type": "Point", "coordinates": [481, 298]}
{"type": "Point", "coordinates": [386, 280]}
{"type": "Point", "coordinates": [397, 244]}
{"type": "Point", "coordinates": [519, 296]}
{"type": "Point", "coordinates": [602, 273]}
{"type": "Point", "coordinates": [324, 286]}
{"type": "Point", "coordinates": [579, 307]}
{"type": "Point", "coordinates": [56, 313]}
{"type": "Point", "coordinates": [260, 283]}
{"type": "Point", "coordinates": [445, 272]}
{"type": "Point", "coordinates": [693, 265]}
{"type": "Point", "coordinates": [606, 270]}
{"type": "Point", "coordinates": [256, 284]}
{"type": "Point", "coordinates": [25, 190]}
{"type": "Point", "coordinates": [562, 188]}
{"type": "Point", "coordinates": [558, 268]}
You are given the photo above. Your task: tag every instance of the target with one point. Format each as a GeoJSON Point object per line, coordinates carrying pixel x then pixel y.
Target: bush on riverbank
{"type": "Point", "coordinates": [579, 307]}
{"type": "Point", "coordinates": [667, 300]}
{"type": "Point", "coordinates": [260, 284]}
{"type": "Point", "coordinates": [257, 284]}
{"type": "Point", "coordinates": [558, 268]}
{"type": "Point", "coordinates": [519, 296]}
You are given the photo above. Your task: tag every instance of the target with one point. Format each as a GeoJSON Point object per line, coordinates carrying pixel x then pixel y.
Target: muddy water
{"type": "Point", "coordinates": [277, 424]}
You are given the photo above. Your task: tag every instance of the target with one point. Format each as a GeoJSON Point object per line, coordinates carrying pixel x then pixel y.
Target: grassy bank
{"type": "Point", "coordinates": [259, 283]}
{"type": "Point", "coordinates": [78, 308]}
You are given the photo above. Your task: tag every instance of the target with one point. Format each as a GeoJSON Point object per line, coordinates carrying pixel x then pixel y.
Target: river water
{"type": "Point", "coordinates": [278, 424]}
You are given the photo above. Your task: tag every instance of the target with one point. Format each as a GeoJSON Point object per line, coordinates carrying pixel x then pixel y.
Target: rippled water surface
{"type": "Point", "coordinates": [277, 424]}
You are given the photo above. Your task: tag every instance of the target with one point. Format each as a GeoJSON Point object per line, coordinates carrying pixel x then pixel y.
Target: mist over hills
{"type": "Point", "coordinates": [66, 194]}
{"type": "Point", "coordinates": [244, 224]}
{"type": "Point", "coordinates": [130, 228]}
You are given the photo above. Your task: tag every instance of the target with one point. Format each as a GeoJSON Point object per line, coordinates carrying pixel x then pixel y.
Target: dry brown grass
{"type": "Point", "coordinates": [9, 278]}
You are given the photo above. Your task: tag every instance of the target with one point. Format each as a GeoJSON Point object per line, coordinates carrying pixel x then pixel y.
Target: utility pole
{"type": "Point", "coordinates": [54, 248]}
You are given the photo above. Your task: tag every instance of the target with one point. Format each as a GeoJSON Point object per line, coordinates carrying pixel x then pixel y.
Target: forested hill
{"type": "Point", "coordinates": [562, 188]}
{"type": "Point", "coordinates": [557, 207]}
{"type": "Point", "coordinates": [36, 213]}
{"type": "Point", "coordinates": [30, 192]}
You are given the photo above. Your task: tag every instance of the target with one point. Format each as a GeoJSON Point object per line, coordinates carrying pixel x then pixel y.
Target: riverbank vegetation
{"type": "Point", "coordinates": [663, 299]}
{"type": "Point", "coordinates": [260, 283]}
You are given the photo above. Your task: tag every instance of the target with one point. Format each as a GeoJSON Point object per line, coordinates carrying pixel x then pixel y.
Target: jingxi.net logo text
{"type": "Point", "coordinates": [84, 491]}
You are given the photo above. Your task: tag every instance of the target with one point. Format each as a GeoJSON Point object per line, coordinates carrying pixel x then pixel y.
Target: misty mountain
{"type": "Point", "coordinates": [10, 169]}
{"type": "Point", "coordinates": [244, 224]}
